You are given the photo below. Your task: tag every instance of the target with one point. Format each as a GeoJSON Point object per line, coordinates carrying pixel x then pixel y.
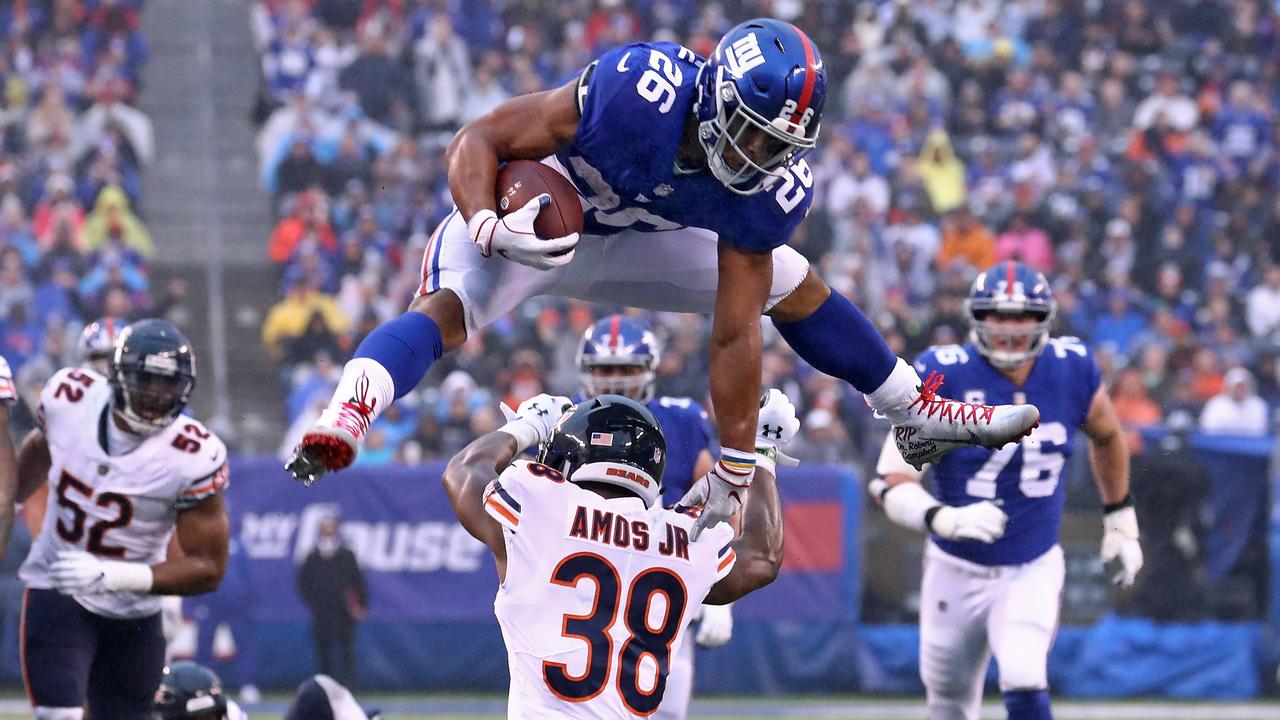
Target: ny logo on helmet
{"type": "Point", "coordinates": [743, 55]}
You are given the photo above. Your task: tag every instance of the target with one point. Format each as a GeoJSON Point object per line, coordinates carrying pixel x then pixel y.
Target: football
{"type": "Point", "coordinates": [519, 181]}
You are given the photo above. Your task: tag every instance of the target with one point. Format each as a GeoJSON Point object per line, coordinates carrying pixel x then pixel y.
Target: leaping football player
{"type": "Point", "coordinates": [597, 579]}
{"type": "Point", "coordinates": [126, 470]}
{"type": "Point", "coordinates": [993, 570]}
{"type": "Point", "coordinates": [701, 162]}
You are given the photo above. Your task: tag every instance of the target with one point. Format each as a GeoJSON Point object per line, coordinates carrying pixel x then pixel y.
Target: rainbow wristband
{"type": "Point", "coordinates": [736, 467]}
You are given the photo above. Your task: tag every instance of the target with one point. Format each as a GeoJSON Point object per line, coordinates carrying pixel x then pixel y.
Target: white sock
{"type": "Point", "coordinates": [363, 379]}
{"type": "Point", "coordinates": [896, 392]}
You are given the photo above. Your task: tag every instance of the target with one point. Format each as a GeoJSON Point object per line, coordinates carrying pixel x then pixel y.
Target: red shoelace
{"type": "Point", "coordinates": [945, 408]}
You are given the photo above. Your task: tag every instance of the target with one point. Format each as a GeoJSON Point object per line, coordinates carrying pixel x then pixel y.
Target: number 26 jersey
{"type": "Point", "coordinates": [597, 595]}
{"type": "Point", "coordinates": [118, 507]}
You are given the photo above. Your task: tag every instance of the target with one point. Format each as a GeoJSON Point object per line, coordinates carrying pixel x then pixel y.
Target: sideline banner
{"type": "Point", "coordinates": [430, 582]}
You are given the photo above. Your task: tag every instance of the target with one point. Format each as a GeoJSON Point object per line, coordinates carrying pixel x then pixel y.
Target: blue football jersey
{"type": "Point", "coordinates": [634, 103]}
{"type": "Point", "coordinates": [688, 432]}
{"type": "Point", "coordinates": [1026, 479]}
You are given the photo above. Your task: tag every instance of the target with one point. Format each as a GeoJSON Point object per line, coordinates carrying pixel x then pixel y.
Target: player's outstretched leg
{"type": "Point", "coordinates": [388, 364]}
{"type": "Point", "coordinates": [832, 335]}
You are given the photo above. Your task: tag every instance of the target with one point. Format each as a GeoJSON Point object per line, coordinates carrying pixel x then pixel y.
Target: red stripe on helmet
{"type": "Point", "coordinates": [613, 331]}
{"type": "Point", "coordinates": [810, 75]}
{"type": "Point", "coordinates": [1010, 277]}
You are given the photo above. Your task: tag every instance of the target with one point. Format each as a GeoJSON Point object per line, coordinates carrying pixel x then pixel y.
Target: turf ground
{"type": "Point", "coordinates": [444, 707]}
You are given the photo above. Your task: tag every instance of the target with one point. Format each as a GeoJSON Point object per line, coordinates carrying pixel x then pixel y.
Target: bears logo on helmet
{"type": "Point", "coordinates": [633, 457]}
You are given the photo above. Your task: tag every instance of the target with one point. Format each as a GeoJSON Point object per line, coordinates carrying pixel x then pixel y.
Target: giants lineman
{"type": "Point", "coordinates": [993, 569]}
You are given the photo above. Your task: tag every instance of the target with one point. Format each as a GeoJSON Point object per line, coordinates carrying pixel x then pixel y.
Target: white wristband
{"type": "Point", "coordinates": [767, 459]}
{"type": "Point", "coordinates": [127, 577]}
{"type": "Point", "coordinates": [1123, 522]}
{"type": "Point", "coordinates": [907, 503]}
{"type": "Point", "coordinates": [526, 435]}
{"type": "Point", "coordinates": [481, 227]}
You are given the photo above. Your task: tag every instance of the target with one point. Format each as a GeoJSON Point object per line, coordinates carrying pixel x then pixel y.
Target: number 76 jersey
{"type": "Point", "coordinates": [1025, 479]}
{"type": "Point", "coordinates": [118, 507]}
{"type": "Point", "coordinates": [597, 596]}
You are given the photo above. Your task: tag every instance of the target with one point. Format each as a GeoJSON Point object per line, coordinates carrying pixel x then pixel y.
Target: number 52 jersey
{"type": "Point", "coordinates": [1025, 479]}
{"type": "Point", "coordinates": [597, 594]}
{"type": "Point", "coordinates": [118, 507]}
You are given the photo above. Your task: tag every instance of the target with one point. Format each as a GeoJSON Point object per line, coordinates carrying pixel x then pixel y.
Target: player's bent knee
{"type": "Point", "coordinates": [446, 309]}
{"type": "Point", "coordinates": [801, 302]}
{"type": "Point", "coordinates": [52, 713]}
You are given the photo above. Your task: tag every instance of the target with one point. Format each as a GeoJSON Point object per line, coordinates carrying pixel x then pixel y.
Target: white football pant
{"type": "Point", "coordinates": [675, 699]}
{"type": "Point", "coordinates": [969, 611]}
{"type": "Point", "coordinates": [671, 270]}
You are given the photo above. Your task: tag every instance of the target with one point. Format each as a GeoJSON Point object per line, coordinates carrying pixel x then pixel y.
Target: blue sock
{"type": "Point", "coordinates": [406, 347]}
{"type": "Point", "coordinates": [841, 342]}
{"type": "Point", "coordinates": [1028, 705]}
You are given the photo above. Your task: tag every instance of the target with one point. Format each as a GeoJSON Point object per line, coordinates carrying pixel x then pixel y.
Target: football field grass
{"type": "Point", "coordinates": [467, 707]}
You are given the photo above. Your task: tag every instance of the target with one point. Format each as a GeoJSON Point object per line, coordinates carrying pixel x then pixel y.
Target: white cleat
{"type": "Point", "coordinates": [335, 440]}
{"type": "Point", "coordinates": [938, 425]}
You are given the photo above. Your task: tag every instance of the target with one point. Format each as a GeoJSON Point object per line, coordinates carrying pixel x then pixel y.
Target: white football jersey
{"type": "Point", "coordinates": [597, 596]}
{"type": "Point", "coordinates": [119, 507]}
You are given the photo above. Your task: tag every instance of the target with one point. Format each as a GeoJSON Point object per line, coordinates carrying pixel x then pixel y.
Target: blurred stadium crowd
{"type": "Point", "coordinates": [73, 246]}
{"type": "Point", "coordinates": [1128, 149]}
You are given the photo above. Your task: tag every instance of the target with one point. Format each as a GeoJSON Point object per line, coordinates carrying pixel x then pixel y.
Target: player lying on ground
{"type": "Point", "coordinates": [597, 579]}
{"type": "Point", "coordinates": [619, 355]}
{"type": "Point", "coordinates": [126, 470]}
{"type": "Point", "coordinates": [693, 175]}
{"type": "Point", "coordinates": [190, 691]}
{"type": "Point", "coordinates": [993, 570]}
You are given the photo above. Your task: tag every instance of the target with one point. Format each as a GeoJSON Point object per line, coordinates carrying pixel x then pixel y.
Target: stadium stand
{"type": "Point", "coordinates": [1093, 141]}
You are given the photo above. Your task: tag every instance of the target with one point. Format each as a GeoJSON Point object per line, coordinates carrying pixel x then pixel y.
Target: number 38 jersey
{"type": "Point", "coordinates": [634, 104]}
{"type": "Point", "coordinates": [118, 507]}
{"type": "Point", "coordinates": [597, 596]}
{"type": "Point", "coordinates": [1024, 479]}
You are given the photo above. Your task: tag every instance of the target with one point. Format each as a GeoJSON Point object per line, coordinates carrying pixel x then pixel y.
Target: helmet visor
{"type": "Point", "coordinates": [633, 381]}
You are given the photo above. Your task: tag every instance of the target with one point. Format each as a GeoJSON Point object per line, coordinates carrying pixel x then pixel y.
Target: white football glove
{"type": "Point", "coordinates": [719, 493]}
{"type": "Point", "coordinates": [776, 425]}
{"type": "Point", "coordinates": [512, 237]}
{"type": "Point", "coordinates": [8, 392]}
{"type": "Point", "coordinates": [1120, 545]}
{"type": "Point", "coordinates": [715, 626]}
{"type": "Point", "coordinates": [981, 521]}
{"type": "Point", "coordinates": [76, 572]}
{"type": "Point", "coordinates": [531, 423]}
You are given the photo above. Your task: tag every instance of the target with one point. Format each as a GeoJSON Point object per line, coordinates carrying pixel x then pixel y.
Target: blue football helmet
{"type": "Point", "coordinates": [97, 342]}
{"type": "Point", "coordinates": [1010, 289]}
{"type": "Point", "coordinates": [766, 76]}
{"type": "Point", "coordinates": [618, 356]}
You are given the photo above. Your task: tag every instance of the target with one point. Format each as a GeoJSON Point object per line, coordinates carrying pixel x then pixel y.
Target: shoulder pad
{"type": "Point", "coordinates": [940, 357]}
{"type": "Point", "coordinates": [71, 389]}
{"type": "Point", "coordinates": [197, 451]}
